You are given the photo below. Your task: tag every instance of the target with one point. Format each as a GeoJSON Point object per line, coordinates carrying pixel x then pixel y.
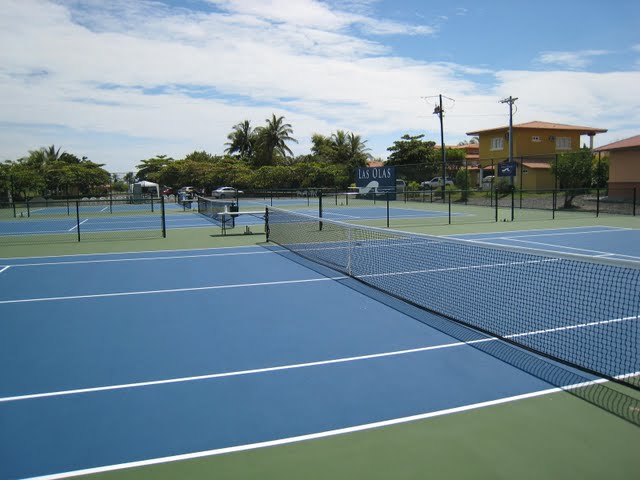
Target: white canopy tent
{"type": "Point", "coordinates": [144, 187]}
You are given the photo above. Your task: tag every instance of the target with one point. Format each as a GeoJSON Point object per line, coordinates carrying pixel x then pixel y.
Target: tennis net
{"type": "Point", "coordinates": [218, 211]}
{"type": "Point", "coordinates": [580, 311]}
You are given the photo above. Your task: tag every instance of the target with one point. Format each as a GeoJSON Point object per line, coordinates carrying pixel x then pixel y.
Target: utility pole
{"type": "Point", "coordinates": [440, 112]}
{"type": "Point", "coordinates": [511, 100]}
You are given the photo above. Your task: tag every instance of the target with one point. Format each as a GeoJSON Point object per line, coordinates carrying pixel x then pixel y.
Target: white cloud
{"type": "Point", "coordinates": [636, 48]}
{"type": "Point", "coordinates": [571, 60]}
{"type": "Point", "coordinates": [180, 80]}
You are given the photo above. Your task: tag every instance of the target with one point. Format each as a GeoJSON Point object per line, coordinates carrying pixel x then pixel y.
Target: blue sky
{"type": "Point", "coordinates": [121, 81]}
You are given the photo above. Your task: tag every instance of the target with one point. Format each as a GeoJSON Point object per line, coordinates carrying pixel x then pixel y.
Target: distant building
{"type": "Point", "coordinates": [535, 146]}
{"type": "Point", "coordinates": [624, 167]}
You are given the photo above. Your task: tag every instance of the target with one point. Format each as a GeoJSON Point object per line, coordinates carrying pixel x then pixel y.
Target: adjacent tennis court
{"type": "Point", "coordinates": [123, 360]}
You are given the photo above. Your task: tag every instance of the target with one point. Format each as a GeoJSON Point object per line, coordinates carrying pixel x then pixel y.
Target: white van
{"type": "Point", "coordinates": [401, 186]}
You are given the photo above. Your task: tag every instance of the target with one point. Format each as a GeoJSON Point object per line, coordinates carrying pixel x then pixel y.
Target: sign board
{"type": "Point", "coordinates": [372, 180]}
{"type": "Point", "coordinates": [507, 169]}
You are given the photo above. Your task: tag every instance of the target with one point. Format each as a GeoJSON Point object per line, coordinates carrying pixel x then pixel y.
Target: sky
{"type": "Point", "coordinates": [124, 80]}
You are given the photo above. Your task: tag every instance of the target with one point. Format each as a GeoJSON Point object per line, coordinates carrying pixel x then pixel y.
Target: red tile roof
{"type": "Point", "coordinates": [631, 142]}
{"type": "Point", "coordinates": [547, 126]}
{"type": "Point", "coordinates": [375, 163]}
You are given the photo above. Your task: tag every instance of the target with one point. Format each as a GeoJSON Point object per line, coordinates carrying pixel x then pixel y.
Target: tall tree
{"type": "Point", "coordinates": [416, 157]}
{"type": "Point", "coordinates": [241, 140]}
{"type": "Point", "coordinates": [574, 172]}
{"type": "Point", "coordinates": [150, 168]}
{"type": "Point", "coordinates": [272, 139]}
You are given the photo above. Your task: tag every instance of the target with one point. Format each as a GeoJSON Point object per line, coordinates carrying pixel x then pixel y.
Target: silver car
{"type": "Point", "coordinates": [226, 192]}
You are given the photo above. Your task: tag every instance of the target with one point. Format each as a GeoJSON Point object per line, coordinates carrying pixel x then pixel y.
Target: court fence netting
{"type": "Point", "coordinates": [574, 310]}
{"type": "Point", "coordinates": [66, 220]}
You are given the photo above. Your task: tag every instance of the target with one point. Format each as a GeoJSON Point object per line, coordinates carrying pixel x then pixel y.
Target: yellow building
{"type": "Point", "coordinates": [624, 167]}
{"type": "Point", "coordinates": [535, 146]}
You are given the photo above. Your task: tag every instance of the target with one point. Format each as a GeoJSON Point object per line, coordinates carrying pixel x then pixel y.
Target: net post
{"type": "Point", "coordinates": [68, 207]}
{"type": "Point", "coordinates": [320, 209]}
{"type": "Point", "coordinates": [152, 204]}
{"type": "Point", "coordinates": [164, 218]}
{"type": "Point", "coordinates": [449, 192]}
{"type": "Point", "coordinates": [597, 202]}
{"type": "Point", "coordinates": [496, 192]}
{"type": "Point", "coordinates": [266, 223]}
{"type": "Point", "coordinates": [553, 204]}
{"type": "Point", "coordinates": [78, 218]}
{"type": "Point", "coordinates": [387, 195]}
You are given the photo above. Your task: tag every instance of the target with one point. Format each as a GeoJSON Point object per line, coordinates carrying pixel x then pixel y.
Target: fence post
{"type": "Point", "coordinates": [28, 209]}
{"type": "Point", "coordinates": [597, 202]}
{"type": "Point", "coordinates": [320, 209]}
{"type": "Point", "coordinates": [164, 220]}
{"type": "Point", "coordinates": [512, 204]}
{"type": "Point", "coordinates": [14, 208]}
{"type": "Point", "coordinates": [496, 191]}
{"type": "Point", "coordinates": [387, 195]}
{"type": "Point", "coordinates": [634, 201]}
{"type": "Point", "coordinates": [553, 204]}
{"type": "Point", "coordinates": [449, 207]}
{"type": "Point", "coordinates": [78, 218]}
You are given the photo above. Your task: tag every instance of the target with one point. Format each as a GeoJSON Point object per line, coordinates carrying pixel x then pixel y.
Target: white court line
{"type": "Point", "coordinates": [241, 372]}
{"type": "Point", "coordinates": [306, 365]}
{"type": "Point", "coordinates": [312, 436]}
{"type": "Point", "coordinates": [76, 226]}
{"type": "Point", "coordinates": [130, 252]}
{"type": "Point", "coordinates": [605, 228]}
{"type": "Point", "coordinates": [338, 215]}
{"type": "Point", "coordinates": [142, 259]}
{"type": "Point", "coordinates": [5, 268]}
{"type": "Point", "coordinates": [172, 290]}
{"type": "Point", "coordinates": [104, 209]}
{"type": "Point", "coordinates": [562, 247]}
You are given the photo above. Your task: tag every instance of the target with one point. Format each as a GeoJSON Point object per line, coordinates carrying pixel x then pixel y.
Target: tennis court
{"type": "Point", "coordinates": [127, 361]}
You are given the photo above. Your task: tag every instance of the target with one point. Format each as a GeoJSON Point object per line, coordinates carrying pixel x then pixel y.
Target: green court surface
{"type": "Point", "coordinates": [552, 436]}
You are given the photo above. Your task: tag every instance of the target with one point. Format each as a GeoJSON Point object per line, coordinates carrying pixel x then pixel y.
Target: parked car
{"type": "Point", "coordinates": [226, 192]}
{"type": "Point", "coordinates": [167, 191]}
{"type": "Point", "coordinates": [436, 182]}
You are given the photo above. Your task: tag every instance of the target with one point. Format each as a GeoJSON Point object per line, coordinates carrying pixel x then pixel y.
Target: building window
{"type": "Point", "coordinates": [535, 138]}
{"type": "Point", "coordinates": [563, 143]}
{"type": "Point", "coordinates": [497, 143]}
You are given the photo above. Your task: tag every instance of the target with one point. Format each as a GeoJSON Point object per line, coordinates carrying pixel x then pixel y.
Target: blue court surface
{"type": "Point", "coordinates": [141, 357]}
{"type": "Point", "coordinates": [596, 241]}
{"type": "Point", "coordinates": [107, 223]}
{"type": "Point", "coordinates": [101, 207]}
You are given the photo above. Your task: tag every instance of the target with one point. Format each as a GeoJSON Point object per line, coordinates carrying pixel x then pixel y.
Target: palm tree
{"type": "Point", "coordinates": [241, 140]}
{"type": "Point", "coordinates": [272, 140]}
{"type": "Point", "coordinates": [358, 155]}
